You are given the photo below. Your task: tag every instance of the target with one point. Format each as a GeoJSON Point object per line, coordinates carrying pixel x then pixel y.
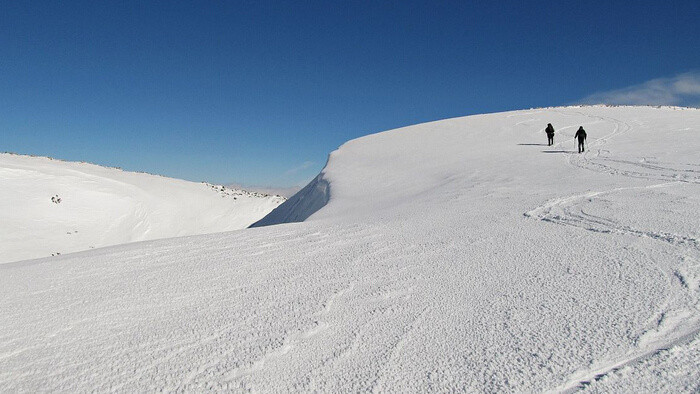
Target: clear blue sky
{"type": "Point", "coordinates": [260, 92]}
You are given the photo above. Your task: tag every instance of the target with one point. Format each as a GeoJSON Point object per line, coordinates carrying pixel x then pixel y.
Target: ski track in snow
{"type": "Point", "coordinates": [569, 211]}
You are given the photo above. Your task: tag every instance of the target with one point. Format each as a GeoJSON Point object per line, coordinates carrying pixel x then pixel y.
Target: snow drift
{"type": "Point", "coordinates": [301, 205]}
{"type": "Point", "coordinates": [459, 255]}
{"type": "Point", "coordinates": [52, 207]}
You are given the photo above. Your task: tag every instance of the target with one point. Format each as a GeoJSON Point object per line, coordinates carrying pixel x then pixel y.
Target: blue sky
{"type": "Point", "coordinates": [259, 92]}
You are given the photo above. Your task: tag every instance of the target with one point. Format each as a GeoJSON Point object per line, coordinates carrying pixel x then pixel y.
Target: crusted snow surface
{"type": "Point", "coordinates": [459, 255]}
{"type": "Point", "coordinates": [51, 207]}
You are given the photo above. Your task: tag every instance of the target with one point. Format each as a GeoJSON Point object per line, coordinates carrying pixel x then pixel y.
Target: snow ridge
{"type": "Point", "coordinates": [53, 207]}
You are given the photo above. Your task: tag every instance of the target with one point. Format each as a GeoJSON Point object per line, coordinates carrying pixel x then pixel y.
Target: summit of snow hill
{"type": "Point", "coordinates": [382, 170]}
{"type": "Point", "coordinates": [459, 255]}
{"type": "Point", "coordinates": [52, 207]}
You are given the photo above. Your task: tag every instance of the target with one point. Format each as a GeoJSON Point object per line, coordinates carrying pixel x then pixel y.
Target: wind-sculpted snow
{"type": "Point", "coordinates": [460, 255]}
{"type": "Point", "coordinates": [51, 207]}
{"type": "Point", "coordinates": [300, 206]}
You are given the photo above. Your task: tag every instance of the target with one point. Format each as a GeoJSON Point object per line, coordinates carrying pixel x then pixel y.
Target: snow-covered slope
{"type": "Point", "coordinates": [50, 207]}
{"type": "Point", "coordinates": [460, 255]}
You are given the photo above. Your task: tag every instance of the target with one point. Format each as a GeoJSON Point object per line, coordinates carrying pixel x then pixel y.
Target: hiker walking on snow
{"type": "Point", "coordinates": [581, 136]}
{"type": "Point", "coordinates": [550, 134]}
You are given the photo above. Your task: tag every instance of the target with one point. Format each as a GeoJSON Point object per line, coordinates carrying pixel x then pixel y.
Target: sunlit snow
{"type": "Point", "coordinates": [463, 254]}
{"type": "Point", "coordinates": [51, 207]}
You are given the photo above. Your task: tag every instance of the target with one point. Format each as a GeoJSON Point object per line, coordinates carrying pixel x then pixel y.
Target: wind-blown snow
{"type": "Point", "coordinates": [300, 206]}
{"type": "Point", "coordinates": [101, 206]}
{"type": "Point", "coordinates": [463, 254]}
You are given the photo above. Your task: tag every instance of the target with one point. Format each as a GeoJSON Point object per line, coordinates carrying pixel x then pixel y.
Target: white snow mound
{"type": "Point", "coordinates": [50, 207]}
{"type": "Point", "coordinates": [459, 255]}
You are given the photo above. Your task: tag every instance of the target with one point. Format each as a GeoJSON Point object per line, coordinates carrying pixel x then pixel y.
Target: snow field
{"type": "Point", "coordinates": [106, 206]}
{"type": "Point", "coordinates": [460, 255]}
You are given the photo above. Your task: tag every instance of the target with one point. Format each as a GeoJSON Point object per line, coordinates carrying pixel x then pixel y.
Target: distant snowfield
{"type": "Point", "coordinates": [459, 255]}
{"type": "Point", "coordinates": [50, 207]}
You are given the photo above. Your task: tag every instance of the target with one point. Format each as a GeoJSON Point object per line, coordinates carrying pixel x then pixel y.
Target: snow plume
{"type": "Point", "coordinates": [683, 89]}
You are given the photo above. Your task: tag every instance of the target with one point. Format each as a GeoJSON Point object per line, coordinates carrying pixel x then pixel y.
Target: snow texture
{"type": "Point", "coordinates": [459, 255]}
{"type": "Point", "coordinates": [51, 207]}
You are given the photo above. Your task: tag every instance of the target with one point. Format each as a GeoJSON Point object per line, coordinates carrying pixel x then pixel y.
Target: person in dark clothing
{"type": "Point", "coordinates": [581, 136]}
{"type": "Point", "coordinates": [550, 134]}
